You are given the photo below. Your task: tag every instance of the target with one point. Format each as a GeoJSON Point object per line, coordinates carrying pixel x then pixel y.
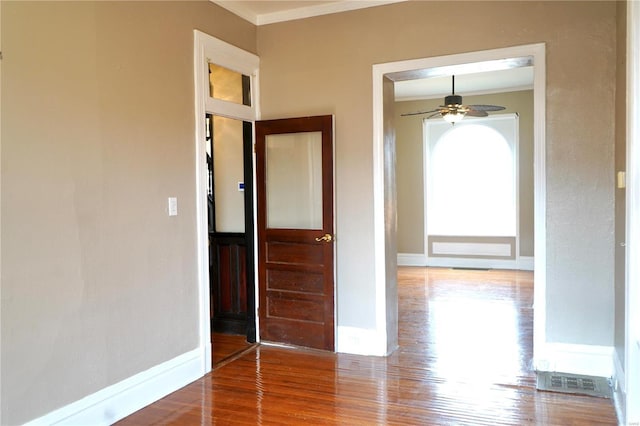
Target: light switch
{"type": "Point", "coordinates": [172, 206]}
{"type": "Point", "coordinates": [622, 178]}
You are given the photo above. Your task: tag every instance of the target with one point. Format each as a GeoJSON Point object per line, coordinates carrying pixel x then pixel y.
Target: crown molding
{"type": "Point", "coordinates": [238, 9]}
{"type": "Point", "coordinates": [299, 13]}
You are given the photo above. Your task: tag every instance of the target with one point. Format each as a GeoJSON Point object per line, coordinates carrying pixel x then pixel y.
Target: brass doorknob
{"type": "Point", "coordinates": [327, 238]}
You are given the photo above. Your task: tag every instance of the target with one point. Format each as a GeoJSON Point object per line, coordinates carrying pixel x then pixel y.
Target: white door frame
{"type": "Point", "coordinates": [210, 49]}
{"type": "Point", "coordinates": [0, 194]}
{"type": "Point", "coordinates": [631, 410]}
{"type": "Point", "coordinates": [537, 51]}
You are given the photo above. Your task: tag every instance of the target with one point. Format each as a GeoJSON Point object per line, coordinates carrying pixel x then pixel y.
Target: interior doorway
{"type": "Point", "coordinates": [229, 144]}
{"type": "Point", "coordinates": [225, 82]}
{"type": "Point", "coordinates": [453, 64]}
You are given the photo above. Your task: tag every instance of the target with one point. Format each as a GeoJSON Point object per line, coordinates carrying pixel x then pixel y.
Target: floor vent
{"type": "Point", "coordinates": [573, 383]}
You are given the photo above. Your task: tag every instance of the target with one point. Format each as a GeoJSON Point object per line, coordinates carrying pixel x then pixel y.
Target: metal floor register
{"type": "Point", "coordinates": [573, 383]}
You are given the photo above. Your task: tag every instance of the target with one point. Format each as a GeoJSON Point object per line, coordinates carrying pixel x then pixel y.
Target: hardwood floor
{"type": "Point", "coordinates": [226, 346]}
{"type": "Point", "coordinates": [464, 356]}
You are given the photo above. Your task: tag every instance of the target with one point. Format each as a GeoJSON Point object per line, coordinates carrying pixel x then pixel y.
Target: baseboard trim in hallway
{"type": "Point", "coordinates": [118, 401]}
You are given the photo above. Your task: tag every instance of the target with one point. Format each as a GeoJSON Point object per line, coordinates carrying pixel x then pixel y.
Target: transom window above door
{"type": "Point", "coordinates": [228, 85]}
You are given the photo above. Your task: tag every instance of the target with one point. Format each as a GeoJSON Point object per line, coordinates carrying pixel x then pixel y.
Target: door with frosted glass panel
{"type": "Point", "coordinates": [294, 167]}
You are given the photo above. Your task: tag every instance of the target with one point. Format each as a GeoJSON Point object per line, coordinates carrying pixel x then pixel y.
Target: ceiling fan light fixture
{"type": "Point", "coordinates": [453, 116]}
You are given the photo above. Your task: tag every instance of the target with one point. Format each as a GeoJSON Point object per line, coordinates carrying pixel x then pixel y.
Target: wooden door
{"type": "Point", "coordinates": [294, 168]}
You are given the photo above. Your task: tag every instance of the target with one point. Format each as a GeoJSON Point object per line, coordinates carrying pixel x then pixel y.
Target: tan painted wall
{"type": "Point", "coordinates": [410, 169]}
{"type": "Point", "coordinates": [323, 65]}
{"type": "Point", "coordinates": [98, 283]}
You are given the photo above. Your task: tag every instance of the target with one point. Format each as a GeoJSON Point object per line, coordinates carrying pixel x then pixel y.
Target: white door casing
{"type": "Point", "coordinates": [381, 262]}
{"type": "Point", "coordinates": [208, 49]}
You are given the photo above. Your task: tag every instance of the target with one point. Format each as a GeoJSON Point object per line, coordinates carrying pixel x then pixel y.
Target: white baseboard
{"type": "Point", "coordinates": [589, 360]}
{"type": "Point", "coordinates": [117, 401]}
{"type": "Point", "coordinates": [412, 259]}
{"type": "Point", "coordinates": [619, 389]}
{"type": "Point", "coordinates": [360, 341]}
{"type": "Point", "coordinates": [525, 263]}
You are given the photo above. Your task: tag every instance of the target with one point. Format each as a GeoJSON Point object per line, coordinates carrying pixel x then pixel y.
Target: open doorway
{"type": "Point", "coordinates": [229, 145]}
{"type": "Point", "coordinates": [473, 192]}
{"type": "Point", "coordinates": [408, 70]}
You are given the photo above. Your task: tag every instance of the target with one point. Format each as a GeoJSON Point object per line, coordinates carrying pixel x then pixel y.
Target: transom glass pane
{"type": "Point", "coordinates": [294, 180]}
{"type": "Point", "coordinates": [228, 85]}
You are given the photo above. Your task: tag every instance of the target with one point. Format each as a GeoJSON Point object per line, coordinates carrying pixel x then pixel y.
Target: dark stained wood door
{"type": "Point", "coordinates": [294, 168]}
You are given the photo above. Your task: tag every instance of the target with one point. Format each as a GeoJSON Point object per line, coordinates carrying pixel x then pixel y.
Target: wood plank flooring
{"type": "Point", "coordinates": [226, 346]}
{"type": "Point", "coordinates": [464, 357]}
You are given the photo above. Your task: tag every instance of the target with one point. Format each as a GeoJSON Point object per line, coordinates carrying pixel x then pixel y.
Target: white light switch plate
{"type": "Point", "coordinates": [172, 206]}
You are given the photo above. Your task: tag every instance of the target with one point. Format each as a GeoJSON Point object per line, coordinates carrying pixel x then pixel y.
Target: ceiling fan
{"type": "Point", "coordinates": [453, 110]}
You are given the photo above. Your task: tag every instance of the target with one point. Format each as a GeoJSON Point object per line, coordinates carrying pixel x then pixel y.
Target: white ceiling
{"type": "Point", "coordinates": [468, 81]}
{"type": "Point", "coordinates": [481, 83]}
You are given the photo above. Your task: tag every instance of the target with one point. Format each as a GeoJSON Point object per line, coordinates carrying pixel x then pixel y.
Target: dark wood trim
{"type": "Point", "coordinates": [249, 230]}
{"type": "Point", "coordinates": [211, 199]}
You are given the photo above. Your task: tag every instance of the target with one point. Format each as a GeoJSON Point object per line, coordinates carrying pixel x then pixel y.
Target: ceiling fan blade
{"type": "Point", "coordinates": [419, 112]}
{"type": "Point", "coordinates": [439, 113]}
{"type": "Point", "coordinates": [476, 113]}
{"type": "Point", "coordinates": [486, 107]}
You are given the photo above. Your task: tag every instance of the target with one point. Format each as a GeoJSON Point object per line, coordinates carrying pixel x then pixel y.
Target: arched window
{"type": "Point", "coordinates": [471, 178]}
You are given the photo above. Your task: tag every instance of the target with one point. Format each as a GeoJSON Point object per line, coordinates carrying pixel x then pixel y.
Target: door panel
{"type": "Point", "coordinates": [294, 253]}
{"type": "Point", "coordinates": [294, 167]}
{"type": "Point", "coordinates": [228, 274]}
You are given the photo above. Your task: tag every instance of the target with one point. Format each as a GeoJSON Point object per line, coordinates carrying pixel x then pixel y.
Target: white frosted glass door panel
{"type": "Point", "coordinates": [294, 180]}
